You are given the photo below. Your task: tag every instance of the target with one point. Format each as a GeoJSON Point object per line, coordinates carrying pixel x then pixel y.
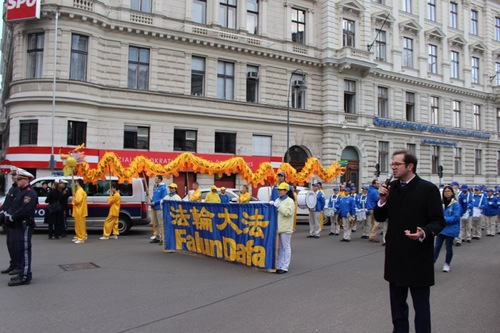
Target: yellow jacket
{"type": "Point", "coordinates": [195, 196]}
{"type": "Point", "coordinates": [212, 197]}
{"type": "Point", "coordinates": [114, 200]}
{"type": "Point", "coordinates": [244, 198]}
{"type": "Point", "coordinates": [80, 203]}
{"type": "Point", "coordinates": [286, 212]}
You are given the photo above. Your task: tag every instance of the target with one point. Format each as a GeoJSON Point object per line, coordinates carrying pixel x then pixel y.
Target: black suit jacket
{"type": "Point", "coordinates": [411, 262]}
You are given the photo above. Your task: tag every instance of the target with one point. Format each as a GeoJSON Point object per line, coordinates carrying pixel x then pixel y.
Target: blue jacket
{"type": "Point", "coordinates": [452, 215]}
{"type": "Point", "coordinates": [332, 200]}
{"type": "Point", "coordinates": [373, 198]}
{"type": "Point", "coordinates": [491, 208]}
{"type": "Point", "coordinates": [346, 206]}
{"type": "Point", "coordinates": [159, 192]}
{"type": "Point", "coordinates": [479, 201]}
{"type": "Point", "coordinates": [320, 202]}
{"type": "Point", "coordinates": [361, 201]}
{"type": "Point", "coordinates": [465, 202]}
{"type": "Point", "coordinates": [224, 198]}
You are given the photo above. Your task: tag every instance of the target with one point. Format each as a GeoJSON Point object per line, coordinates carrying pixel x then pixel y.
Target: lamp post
{"type": "Point", "coordinates": [301, 85]}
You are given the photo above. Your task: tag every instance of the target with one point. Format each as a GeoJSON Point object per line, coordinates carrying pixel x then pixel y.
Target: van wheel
{"type": "Point", "coordinates": [124, 225]}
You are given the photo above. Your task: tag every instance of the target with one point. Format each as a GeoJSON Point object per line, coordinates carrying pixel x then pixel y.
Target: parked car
{"type": "Point", "coordinates": [133, 209]}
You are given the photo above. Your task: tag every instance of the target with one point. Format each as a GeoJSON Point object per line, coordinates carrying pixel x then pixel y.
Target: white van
{"type": "Point", "coordinates": [133, 208]}
{"type": "Point", "coordinates": [264, 194]}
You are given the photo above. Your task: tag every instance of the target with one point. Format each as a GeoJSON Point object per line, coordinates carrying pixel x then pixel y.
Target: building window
{"type": "Point", "coordinates": [298, 25]}
{"type": "Point", "coordinates": [261, 145]}
{"type": "Point", "coordinates": [252, 84]}
{"type": "Point", "coordinates": [253, 16]}
{"type": "Point", "coordinates": [455, 65]}
{"type": "Point", "coordinates": [432, 59]}
{"type": "Point", "coordinates": [225, 143]}
{"type": "Point", "coordinates": [498, 120]}
{"type": "Point", "coordinates": [349, 96]}
{"type": "Point", "coordinates": [383, 155]}
{"type": "Point", "coordinates": [199, 11]}
{"type": "Point", "coordinates": [475, 69]}
{"type": "Point", "coordinates": [136, 137]}
{"type": "Point", "coordinates": [225, 80]}
{"type": "Point", "coordinates": [407, 52]}
{"type": "Point", "coordinates": [381, 45]}
{"type": "Point", "coordinates": [298, 92]}
{"type": "Point", "coordinates": [227, 13]}
{"type": "Point", "coordinates": [198, 76]}
{"type": "Point", "coordinates": [406, 6]}
{"type": "Point", "coordinates": [457, 161]}
{"type": "Point", "coordinates": [474, 22]}
{"type": "Point", "coordinates": [77, 133]}
{"type": "Point", "coordinates": [410, 106]}
{"type": "Point", "coordinates": [477, 117]}
{"type": "Point", "coordinates": [35, 55]}
{"type": "Point", "coordinates": [138, 68]}
{"type": "Point", "coordinates": [456, 114]}
{"type": "Point", "coordinates": [412, 148]}
{"type": "Point", "coordinates": [478, 161]}
{"type": "Point", "coordinates": [435, 159]}
{"type": "Point", "coordinates": [431, 10]}
{"type": "Point", "coordinates": [434, 110]}
{"type": "Point", "coordinates": [497, 29]}
{"type": "Point", "coordinates": [383, 102]}
{"type": "Point", "coordinates": [497, 73]}
{"type": "Point", "coordinates": [28, 134]}
{"type": "Point", "coordinates": [185, 140]}
{"type": "Point", "coordinates": [79, 54]}
{"type": "Point", "coordinates": [454, 15]}
{"type": "Point", "coordinates": [348, 33]}
{"type": "Point", "coordinates": [141, 5]}
{"type": "Point", "coordinates": [382, 2]}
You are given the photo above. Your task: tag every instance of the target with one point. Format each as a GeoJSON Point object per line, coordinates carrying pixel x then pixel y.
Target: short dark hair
{"type": "Point", "coordinates": [408, 158]}
{"type": "Point", "coordinates": [374, 181]}
{"type": "Point", "coordinates": [80, 182]}
{"type": "Point", "coordinates": [160, 177]}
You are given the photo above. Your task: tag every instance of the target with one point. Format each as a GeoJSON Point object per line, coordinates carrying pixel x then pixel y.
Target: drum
{"type": "Point", "coordinates": [306, 199]}
{"type": "Point", "coordinates": [360, 214]}
{"type": "Point", "coordinates": [476, 212]}
{"type": "Point", "coordinates": [329, 211]}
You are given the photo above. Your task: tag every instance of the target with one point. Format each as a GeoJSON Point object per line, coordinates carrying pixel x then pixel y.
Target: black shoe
{"type": "Point", "coordinates": [155, 241]}
{"type": "Point", "coordinates": [345, 240]}
{"type": "Point", "coordinates": [458, 244]}
{"type": "Point", "coordinates": [16, 271]}
{"type": "Point", "coordinates": [8, 270]}
{"type": "Point", "coordinates": [336, 234]}
{"type": "Point", "coordinates": [280, 271]}
{"type": "Point", "coordinates": [19, 282]}
{"type": "Point", "coordinates": [316, 237]}
{"type": "Point", "coordinates": [309, 236]}
{"type": "Point", "coordinates": [331, 233]}
{"type": "Point", "coordinates": [468, 241]}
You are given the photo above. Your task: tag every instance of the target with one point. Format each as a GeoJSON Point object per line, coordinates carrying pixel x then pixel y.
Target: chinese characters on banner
{"type": "Point", "coordinates": [239, 233]}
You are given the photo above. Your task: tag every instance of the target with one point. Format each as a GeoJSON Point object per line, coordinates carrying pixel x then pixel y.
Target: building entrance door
{"type": "Point", "coordinates": [351, 175]}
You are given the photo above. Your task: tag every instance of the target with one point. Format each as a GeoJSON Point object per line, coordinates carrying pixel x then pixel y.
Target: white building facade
{"type": "Point", "coordinates": [226, 78]}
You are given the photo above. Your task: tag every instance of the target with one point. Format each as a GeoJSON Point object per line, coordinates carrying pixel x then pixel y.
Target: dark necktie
{"type": "Point", "coordinates": [403, 184]}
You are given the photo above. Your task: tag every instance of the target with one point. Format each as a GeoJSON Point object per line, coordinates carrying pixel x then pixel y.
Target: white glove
{"type": "Point", "coordinates": [277, 203]}
{"type": "Point", "coordinates": [161, 202]}
{"type": "Point", "coordinates": [271, 202]}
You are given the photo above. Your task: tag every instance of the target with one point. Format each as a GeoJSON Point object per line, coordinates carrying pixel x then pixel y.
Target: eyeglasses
{"type": "Point", "coordinates": [396, 164]}
{"type": "Point", "coordinates": [18, 179]}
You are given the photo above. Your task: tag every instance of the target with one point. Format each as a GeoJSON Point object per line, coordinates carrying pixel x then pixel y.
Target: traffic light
{"type": "Point", "coordinates": [440, 171]}
{"type": "Point", "coordinates": [377, 170]}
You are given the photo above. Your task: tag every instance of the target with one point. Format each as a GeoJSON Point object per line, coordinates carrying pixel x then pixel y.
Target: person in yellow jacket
{"type": "Point", "coordinates": [80, 213]}
{"type": "Point", "coordinates": [213, 196]}
{"type": "Point", "coordinates": [111, 222]}
{"type": "Point", "coordinates": [195, 193]}
{"type": "Point", "coordinates": [244, 197]}
{"type": "Point", "coordinates": [286, 211]}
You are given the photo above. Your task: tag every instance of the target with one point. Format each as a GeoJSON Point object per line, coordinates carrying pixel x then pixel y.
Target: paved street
{"type": "Point", "coordinates": [331, 287]}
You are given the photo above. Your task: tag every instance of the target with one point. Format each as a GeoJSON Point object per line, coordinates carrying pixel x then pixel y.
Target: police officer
{"type": "Point", "coordinates": [14, 267]}
{"type": "Point", "coordinates": [21, 214]}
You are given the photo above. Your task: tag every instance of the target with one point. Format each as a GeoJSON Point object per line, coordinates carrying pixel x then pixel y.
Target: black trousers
{"type": "Point", "coordinates": [421, 305]}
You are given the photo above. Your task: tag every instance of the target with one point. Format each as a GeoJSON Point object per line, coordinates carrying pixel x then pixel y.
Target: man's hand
{"type": "Point", "coordinates": [383, 192]}
{"type": "Point", "coordinates": [416, 236]}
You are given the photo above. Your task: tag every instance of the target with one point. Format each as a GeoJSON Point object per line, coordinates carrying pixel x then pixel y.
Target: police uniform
{"type": "Point", "coordinates": [14, 266]}
{"type": "Point", "coordinates": [21, 218]}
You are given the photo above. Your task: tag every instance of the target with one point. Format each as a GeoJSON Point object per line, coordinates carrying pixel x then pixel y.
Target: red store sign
{"type": "Point", "coordinates": [22, 9]}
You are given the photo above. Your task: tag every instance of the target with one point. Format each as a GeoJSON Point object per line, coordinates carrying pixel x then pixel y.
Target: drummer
{"type": "Point", "coordinates": [331, 213]}
{"type": "Point", "coordinates": [361, 212]}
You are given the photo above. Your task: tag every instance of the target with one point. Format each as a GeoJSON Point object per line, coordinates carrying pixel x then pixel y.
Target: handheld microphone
{"type": "Point", "coordinates": [389, 179]}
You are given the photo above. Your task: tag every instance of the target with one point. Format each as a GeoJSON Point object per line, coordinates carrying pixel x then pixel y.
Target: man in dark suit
{"type": "Point", "coordinates": [415, 215]}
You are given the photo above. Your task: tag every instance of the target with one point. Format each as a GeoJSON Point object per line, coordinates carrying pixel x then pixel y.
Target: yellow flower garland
{"type": "Point", "coordinates": [189, 162]}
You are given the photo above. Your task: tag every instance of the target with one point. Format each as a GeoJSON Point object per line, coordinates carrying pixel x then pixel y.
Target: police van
{"type": "Point", "coordinates": [133, 208]}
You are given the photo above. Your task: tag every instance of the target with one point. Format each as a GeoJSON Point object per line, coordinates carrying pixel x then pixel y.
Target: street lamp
{"type": "Point", "coordinates": [300, 85]}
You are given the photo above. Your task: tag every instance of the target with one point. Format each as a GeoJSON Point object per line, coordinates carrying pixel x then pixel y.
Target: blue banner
{"type": "Point", "coordinates": [239, 233]}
